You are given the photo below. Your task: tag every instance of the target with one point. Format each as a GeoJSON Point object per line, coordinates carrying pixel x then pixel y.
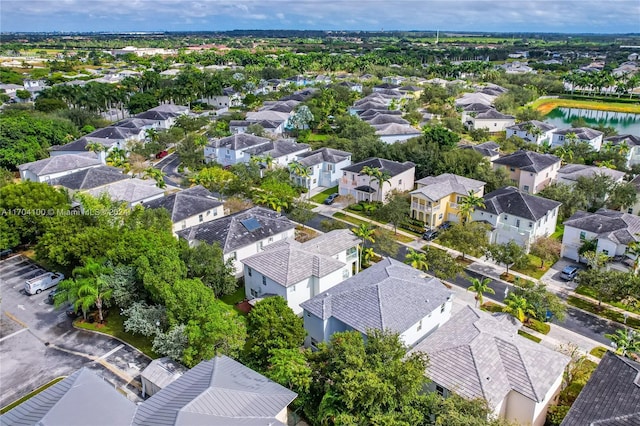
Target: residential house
{"type": "Point", "coordinates": [164, 115]}
{"type": "Point", "coordinates": [326, 166]}
{"type": "Point", "coordinates": [635, 208]}
{"type": "Point", "coordinates": [232, 149]}
{"type": "Point", "coordinates": [490, 120]}
{"type": "Point", "coordinates": [582, 134]}
{"type": "Point", "coordinates": [394, 132]}
{"type": "Point", "coordinates": [632, 143]}
{"type": "Point", "coordinates": [299, 271]}
{"type": "Point", "coordinates": [533, 131]}
{"type": "Point", "coordinates": [475, 98]}
{"type": "Point", "coordinates": [281, 151]}
{"type": "Point", "coordinates": [81, 146]}
{"type": "Point", "coordinates": [530, 171]}
{"type": "Point", "coordinates": [189, 207]}
{"type": "Point", "coordinates": [436, 198]}
{"type": "Point", "coordinates": [412, 92]}
{"type": "Point", "coordinates": [273, 128]}
{"type": "Point", "coordinates": [613, 231]}
{"type": "Point", "coordinates": [230, 98]}
{"type": "Point", "coordinates": [241, 234]}
{"type": "Point", "coordinates": [354, 87]}
{"type": "Point", "coordinates": [57, 166]}
{"type": "Point", "coordinates": [469, 111]}
{"type": "Point", "coordinates": [478, 355]}
{"type": "Point", "coordinates": [385, 86]}
{"type": "Point", "coordinates": [518, 216]}
{"type": "Point", "coordinates": [367, 188]}
{"type": "Point", "coordinates": [90, 178]}
{"type": "Point", "coordinates": [570, 173]}
{"type": "Point", "coordinates": [132, 191]}
{"type": "Point", "coordinates": [489, 150]}
{"type": "Point", "coordinates": [219, 391]}
{"type": "Point", "coordinates": [388, 295]}
{"type": "Point", "coordinates": [517, 67]}
{"type": "Point", "coordinates": [610, 397]}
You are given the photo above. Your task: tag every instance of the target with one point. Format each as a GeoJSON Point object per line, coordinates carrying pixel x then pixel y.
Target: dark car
{"type": "Point", "coordinates": [5, 253]}
{"type": "Point", "coordinates": [162, 154]}
{"type": "Point", "coordinates": [569, 272]}
{"type": "Point", "coordinates": [52, 294]}
{"type": "Point", "coordinates": [445, 225]}
{"type": "Point", "coordinates": [330, 199]}
{"type": "Point", "coordinates": [430, 235]}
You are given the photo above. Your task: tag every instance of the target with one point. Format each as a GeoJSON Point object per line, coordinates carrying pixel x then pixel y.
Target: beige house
{"type": "Point", "coordinates": [437, 197]}
{"type": "Point", "coordinates": [530, 171]}
{"type": "Point", "coordinates": [365, 188]}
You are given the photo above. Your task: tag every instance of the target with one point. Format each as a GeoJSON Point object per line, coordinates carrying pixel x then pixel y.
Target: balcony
{"type": "Point", "coordinates": [424, 208]}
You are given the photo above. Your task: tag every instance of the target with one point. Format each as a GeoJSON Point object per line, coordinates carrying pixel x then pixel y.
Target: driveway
{"type": "Point", "coordinates": [38, 342]}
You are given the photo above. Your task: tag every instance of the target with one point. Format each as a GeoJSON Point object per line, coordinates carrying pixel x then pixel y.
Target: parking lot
{"type": "Point", "coordinates": [38, 342]}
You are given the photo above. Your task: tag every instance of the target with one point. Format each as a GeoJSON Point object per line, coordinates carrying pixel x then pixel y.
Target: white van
{"type": "Point", "coordinates": [42, 282]}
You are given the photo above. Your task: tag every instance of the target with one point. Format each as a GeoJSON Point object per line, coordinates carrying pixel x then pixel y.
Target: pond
{"type": "Point", "coordinates": [624, 123]}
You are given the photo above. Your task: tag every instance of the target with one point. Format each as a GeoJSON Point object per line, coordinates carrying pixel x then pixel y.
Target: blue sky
{"type": "Point", "coordinates": [601, 16]}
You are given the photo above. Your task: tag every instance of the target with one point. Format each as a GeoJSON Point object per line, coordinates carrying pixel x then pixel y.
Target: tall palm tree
{"type": "Point", "coordinates": [302, 172]}
{"type": "Point", "coordinates": [468, 204]}
{"type": "Point", "coordinates": [626, 341]}
{"type": "Point", "coordinates": [365, 233]}
{"type": "Point", "coordinates": [517, 306]}
{"type": "Point", "coordinates": [417, 259]}
{"type": "Point", "coordinates": [88, 287]}
{"type": "Point", "coordinates": [157, 175]}
{"type": "Point", "coordinates": [368, 171]}
{"type": "Point", "coordinates": [479, 287]}
{"type": "Point", "coordinates": [381, 178]}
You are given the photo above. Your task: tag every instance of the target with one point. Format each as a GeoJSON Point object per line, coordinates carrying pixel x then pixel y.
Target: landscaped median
{"type": "Point", "coordinates": [603, 312]}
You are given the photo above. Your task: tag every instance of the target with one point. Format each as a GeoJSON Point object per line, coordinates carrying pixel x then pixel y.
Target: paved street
{"type": "Point", "coordinates": [38, 342]}
{"type": "Point", "coordinates": [169, 165]}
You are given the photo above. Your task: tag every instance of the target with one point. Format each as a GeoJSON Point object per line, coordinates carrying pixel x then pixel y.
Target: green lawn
{"type": "Point", "coordinates": [559, 233]}
{"type": "Point", "coordinates": [350, 219]}
{"type": "Point", "coordinates": [587, 291]}
{"type": "Point", "coordinates": [114, 326]}
{"type": "Point", "coordinates": [532, 268]}
{"type": "Point", "coordinates": [314, 137]}
{"type": "Point", "coordinates": [598, 351]}
{"type": "Point", "coordinates": [235, 297]}
{"type": "Point", "coordinates": [605, 313]}
{"type": "Point", "coordinates": [29, 395]}
{"type": "Point", "coordinates": [320, 197]}
{"type": "Point", "coordinates": [539, 326]}
{"type": "Point", "coordinates": [529, 336]}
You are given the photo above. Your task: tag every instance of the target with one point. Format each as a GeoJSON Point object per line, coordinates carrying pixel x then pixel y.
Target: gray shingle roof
{"type": "Point", "coordinates": [81, 399]}
{"type": "Point", "coordinates": [387, 295]}
{"type": "Point", "coordinates": [90, 178]}
{"type": "Point", "coordinates": [512, 201]}
{"type": "Point", "coordinates": [437, 187]}
{"type": "Point", "coordinates": [385, 119]}
{"type": "Point", "coordinates": [390, 129]}
{"type": "Point", "coordinates": [332, 243]}
{"type": "Point", "coordinates": [81, 144]}
{"type": "Point", "coordinates": [477, 107]}
{"type": "Point", "coordinates": [112, 132]}
{"type": "Point", "coordinates": [130, 190]}
{"type": "Point", "coordinates": [61, 163]}
{"type": "Point", "coordinates": [392, 167]}
{"type": "Point", "coordinates": [611, 397]}
{"type": "Point", "coordinates": [231, 234]}
{"type": "Point", "coordinates": [545, 127]}
{"type": "Point", "coordinates": [185, 204]}
{"type": "Point", "coordinates": [492, 114]}
{"type": "Point", "coordinates": [528, 161]}
{"type": "Point", "coordinates": [323, 155]}
{"type": "Point", "coordinates": [486, 149]}
{"type": "Point", "coordinates": [478, 356]}
{"type": "Point", "coordinates": [221, 392]}
{"type": "Point", "coordinates": [239, 141]}
{"type": "Point", "coordinates": [619, 227]}
{"type": "Point", "coordinates": [631, 140]}
{"type": "Point", "coordinates": [583, 133]}
{"type": "Point", "coordinates": [573, 171]}
{"type": "Point", "coordinates": [278, 148]}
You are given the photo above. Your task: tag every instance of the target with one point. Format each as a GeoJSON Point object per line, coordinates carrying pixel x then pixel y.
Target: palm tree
{"type": "Point", "coordinates": [479, 287]}
{"type": "Point", "coordinates": [626, 341]}
{"type": "Point", "coordinates": [381, 177]}
{"type": "Point", "coordinates": [571, 138]}
{"type": "Point", "coordinates": [368, 171]}
{"type": "Point", "coordinates": [88, 287]}
{"type": "Point", "coordinates": [517, 306]}
{"type": "Point", "coordinates": [95, 147]}
{"type": "Point", "coordinates": [634, 249]}
{"type": "Point", "coordinates": [417, 259]}
{"type": "Point", "coordinates": [117, 157]}
{"type": "Point", "coordinates": [468, 204]}
{"type": "Point", "coordinates": [157, 175]}
{"type": "Point", "coordinates": [366, 234]}
{"type": "Point", "coordinates": [565, 153]}
{"type": "Point", "coordinates": [302, 172]}
{"type": "Point", "coordinates": [367, 255]}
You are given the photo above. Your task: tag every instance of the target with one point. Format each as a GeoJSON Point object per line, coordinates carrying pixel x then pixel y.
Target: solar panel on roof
{"type": "Point", "coordinates": [251, 224]}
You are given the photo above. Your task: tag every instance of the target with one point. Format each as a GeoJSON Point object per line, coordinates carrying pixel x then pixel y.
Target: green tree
{"type": "Point", "coordinates": [290, 368]}
{"type": "Point", "coordinates": [365, 233]}
{"type": "Point", "coordinates": [626, 341]}
{"type": "Point", "coordinates": [302, 212]}
{"type": "Point", "coordinates": [88, 287]}
{"type": "Point", "coordinates": [467, 238]}
{"type": "Point", "coordinates": [215, 179]}
{"type": "Point", "coordinates": [468, 204]}
{"type": "Point", "coordinates": [417, 260]}
{"type": "Point", "coordinates": [395, 209]}
{"type": "Point", "coordinates": [547, 249]}
{"type": "Point", "coordinates": [381, 177]}
{"type": "Point", "coordinates": [479, 287]}
{"type": "Point", "coordinates": [141, 102]}
{"type": "Point", "coordinates": [190, 150]}
{"type": "Point", "coordinates": [541, 301]}
{"type": "Point", "coordinates": [518, 307]}
{"type": "Point", "coordinates": [442, 264]}
{"type": "Point", "coordinates": [206, 262]}
{"type": "Point", "coordinates": [157, 175]}
{"type": "Point", "coordinates": [508, 254]}
{"type": "Point", "coordinates": [272, 324]}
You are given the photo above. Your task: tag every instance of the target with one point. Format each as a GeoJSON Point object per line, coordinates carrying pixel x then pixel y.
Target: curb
{"type": "Point", "coordinates": [113, 337]}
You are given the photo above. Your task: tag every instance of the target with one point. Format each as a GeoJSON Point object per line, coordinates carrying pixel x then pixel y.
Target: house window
{"type": "Point", "coordinates": [440, 390]}
{"type": "Point", "coordinates": [400, 182]}
{"type": "Point", "coordinates": [440, 216]}
{"type": "Point", "coordinates": [264, 280]}
{"type": "Point", "coordinates": [442, 308]}
{"type": "Point", "coordinates": [420, 325]}
{"type": "Point", "coordinates": [583, 235]}
{"type": "Point", "coordinates": [506, 217]}
{"type": "Point", "coordinates": [459, 199]}
{"type": "Point", "coordinates": [249, 271]}
{"type": "Point", "coordinates": [254, 293]}
{"type": "Point", "coordinates": [330, 167]}
{"type": "Point", "coordinates": [293, 288]}
{"type": "Point", "coordinates": [526, 188]}
{"type": "Point", "coordinates": [314, 343]}
{"type": "Point", "coordinates": [270, 239]}
{"type": "Point", "coordinates": [630, 210]}
{"type": "Point", "coordinates": [512, 169]}
{"type": "Point", "coordinates": [518, 223]}
{"type": "Point", "coordinates": [215, 212]}
{"type": "Point", "coordinates": [345, 274]}
{"type": "Point", "coordinates": [200, 218]}
{"type": "Point", "coordinates": [344, 173]}
{"type": "Point", "coordinates": [530, 224]}
{"type": "Point", "coordinates": [208, 212]}
{"type": "Point", "coordinates": [184, 224]}
{"type": "Point", "coordinates": [260, 245]}
{"type": "Point", "coordinates": [228, 151]}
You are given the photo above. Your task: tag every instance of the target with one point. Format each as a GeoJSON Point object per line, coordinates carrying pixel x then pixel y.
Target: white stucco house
{"type": "Point", "coordinates": [518, 216]}
{"type": "Point", "coordinates": [242, 234]}
{"type": "Point", "coordinates": [364, 188]}
{"type": "Point", "coordinates": [582, 134]}
{"type": "Point", "coordinates": [530, 171]}
{"type": "Point", "coordinates": [299, 271]}
{"type": "Point", "coordinates": [388, 295]}
{"type": "Point", "coordinates": [281, 151]}
{"type": "Point", "coordinates": [632, 143]}
{"type": "Point", "coordinates": [490, 120]}
{"type": "Point", "coordinates": [233, 149]}
{"type": "Point", "coordinates": [478, 355]}
{"type": "Point", "coordinates": [570, 173]}
{"type": "Point", "coordinates": [613, 231]}
{"type": "Point", "coordinates": [132, 191]}
{"type": "Point", "coordinates": [57, 166]}
{"type": "Point", "coordinates": [533, 131]}
{"type": "Point", "coordinates": [325, 166]}
{"type": "Point", "coordinates": [164, 115]}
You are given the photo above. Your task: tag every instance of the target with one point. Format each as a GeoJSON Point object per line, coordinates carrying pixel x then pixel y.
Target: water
{"type": "Point", "coordinates": [624, 123]}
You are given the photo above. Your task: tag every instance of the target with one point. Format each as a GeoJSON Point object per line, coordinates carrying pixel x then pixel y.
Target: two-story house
{"type": "Point", "coordinates": [533, 131]}
{"type": "Point", "coordinates": [325, 166]}
{"type": "Point", "coordinates": [581, 134]}
{"type": "Point", "coordinates": [281, 151]}
{"type": "Point", "coordinates": [436, 198]}
{"type": "Point", "coordinates": [55, 167]}
{"type": "Point", "coordinates": [233, 149]}
{"type": "Point", "coordinates": [570, 173]}
{"type": "Point", "coordinates": [367, 188]}
{"type": "Point", "coordinates": [481, 356]}
{"type": "Point", "coordinates": [489, 150]}
{"type": "Point", "coordinates": [132, 191]}
{"type": "Point", "coordinates": [612, 230]}
{"type": "Point", "coordinates": [490, 120]}
{"type": "Point", "coordinates": [164, 115]}
{"type": "Point", "coordinates": [530, 171]}
{"type": "Point", "coordinates": [388, 295]}
{"type": "Point", "coordinates": [299, 271]}
{"type": "Point", "coordinates": [632, 143]}
{"type": "Point", "coordinates": [189, 207]}
{"type": "Point", "coordinates": [518, 216]}
{"type": "Point", "coordinates": [241, 234]}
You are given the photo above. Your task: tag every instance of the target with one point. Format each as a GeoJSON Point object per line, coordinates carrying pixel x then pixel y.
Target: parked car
{"type": "Point", "coordinates": [42, 282]}
{"type": "Point", "coordinates": [52, 295]}
{"type": "Point", "coordinates": [569, 272]}
{"type": "Point", "coordinates": [162, 154]}
{"type": "Point", "coordinates": [5, 253]}
{"type": "Point", "coordinates": [445, 225]}
{"type": "Point", "coordinates": [430, 235]}
{"type": "Point", "coordinates": [330, 199]}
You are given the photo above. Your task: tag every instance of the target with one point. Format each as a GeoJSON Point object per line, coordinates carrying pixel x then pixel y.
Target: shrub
{"type": "Point", "coordinates": [356, 207]}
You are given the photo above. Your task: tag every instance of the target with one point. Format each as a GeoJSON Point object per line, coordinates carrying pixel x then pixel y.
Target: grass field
{"type": "Point", "coordinates": [320, 197]}
{"type": "Point", "coordinates": [532, 268]}
{"type": "Point", "coordinates": [545, 106]}
{"type": "Point", "coordinates": [29, 395]}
